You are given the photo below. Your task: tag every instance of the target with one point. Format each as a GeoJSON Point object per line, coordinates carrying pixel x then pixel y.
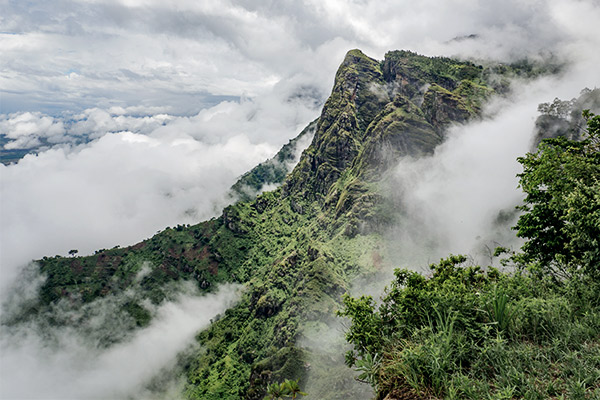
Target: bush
{"type": "Point", "coordinates": [469, 333]}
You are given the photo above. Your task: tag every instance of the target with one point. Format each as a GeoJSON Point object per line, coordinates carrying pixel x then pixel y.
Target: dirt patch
{"type": "Point", "coordinates": [76, 267]}
{"type": "Point", "coordinates": [168, 271]}
{"type": "Point", "coordinates": [138, 246]}
{"type": "Point", "coordinates": [202, 254]}
{"type": "Point", "coordinates": [377, 260]}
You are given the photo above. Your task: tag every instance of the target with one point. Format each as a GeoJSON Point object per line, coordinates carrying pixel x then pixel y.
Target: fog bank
{"type": "Point", "coordinates": [61, 362]}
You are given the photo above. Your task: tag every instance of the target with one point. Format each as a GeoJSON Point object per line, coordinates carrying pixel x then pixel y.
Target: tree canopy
{"type": "Point", "coordinates": [561, 211]}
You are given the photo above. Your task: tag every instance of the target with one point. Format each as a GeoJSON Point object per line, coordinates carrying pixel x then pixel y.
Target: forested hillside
{"type": "Point", "coordinates": [298, 249]}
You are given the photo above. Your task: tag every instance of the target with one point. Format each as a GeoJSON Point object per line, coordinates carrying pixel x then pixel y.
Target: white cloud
{"type": "Point", "coordinates": [25, 130]}
{"type": "Point", "coordinates": [451, 200]}
{"type": "Point", "coordinates": [76, 55]}
{"type": "Point", "coordinates": [140, 173]}
{"type": "Point", "coordinates": [41, 362]}
{"type": "Point", "coordinates": [121, 188]}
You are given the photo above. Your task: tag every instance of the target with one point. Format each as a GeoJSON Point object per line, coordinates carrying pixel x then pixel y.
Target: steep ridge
{"type": "Point", "coordinates": [341, 127]}
{"type": "Point", "coordinates": [298, 248]}
{"type": "Point", "coordinates": [273, 171]}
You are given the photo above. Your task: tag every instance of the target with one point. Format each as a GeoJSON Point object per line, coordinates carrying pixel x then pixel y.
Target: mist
{"type": "Point", "coordinates": [109, 178]}
{"type": "Point", "coordinates": [462, 199]}
{"type": "Point", "coordinates": [66, 361]}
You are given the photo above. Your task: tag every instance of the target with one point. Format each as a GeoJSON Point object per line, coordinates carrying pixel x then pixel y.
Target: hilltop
{"type": "Point", "coordinates": [298, 248]}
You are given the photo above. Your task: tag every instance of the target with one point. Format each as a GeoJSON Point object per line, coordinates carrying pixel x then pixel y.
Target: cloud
{"type": "Point", "coordinates": [119, 189]}
{"type": "Point", "coordinates": [59, 362]}
{"type": "Point", "coordinates": [462, 199]}
{"type": "Point", "coordinates": [24, 130]}
{"type": "Point", "coordinates": [141, 171]}
{"type": "Point", "coordinates": [72, 55]}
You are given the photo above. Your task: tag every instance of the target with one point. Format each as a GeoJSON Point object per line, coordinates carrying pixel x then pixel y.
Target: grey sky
{"type": "Point", "coordinates": [71, 55]}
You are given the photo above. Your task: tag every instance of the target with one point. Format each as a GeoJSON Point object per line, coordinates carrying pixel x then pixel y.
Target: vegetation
{"type": "Point", "coordinates": [298, 248]}
{"type": "Point", "coordinates": [286, 389]}
{"type": "Point", "coordinates": [562, 207]}
{"type": "Point", "coordinates": [469, 332]}
{"type": "Point", "coordinates": [271, 172]}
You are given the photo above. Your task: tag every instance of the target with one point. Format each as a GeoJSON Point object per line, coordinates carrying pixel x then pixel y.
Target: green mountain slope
{"type": "Point", "coordinates": [530, 332]}
{"type": "Point", "coordinates": [298, 248]}
{"type": "Point", "coordinates": [273, 171]}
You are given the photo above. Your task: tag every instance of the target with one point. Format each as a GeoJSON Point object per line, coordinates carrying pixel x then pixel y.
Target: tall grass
{"type": "Point", "coordinates": [468, 334]}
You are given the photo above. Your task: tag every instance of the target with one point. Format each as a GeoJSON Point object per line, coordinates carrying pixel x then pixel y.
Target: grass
{"type": "Point", "coordinates": [465, 333]}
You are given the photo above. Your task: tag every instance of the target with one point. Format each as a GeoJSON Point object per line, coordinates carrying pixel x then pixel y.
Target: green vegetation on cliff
{"type": "Point", "coordinates": [274, 170]}
{"type": "Point", "coordinates": [297, 249]}
{"type": "Point", "coordinates": [466, 332]}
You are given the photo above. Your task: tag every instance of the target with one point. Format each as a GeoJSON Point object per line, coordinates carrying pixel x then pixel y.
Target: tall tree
{"type": "Point", "coordinates": [561, 219]}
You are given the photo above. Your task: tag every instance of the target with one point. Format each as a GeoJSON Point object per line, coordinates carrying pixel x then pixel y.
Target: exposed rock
{"type": "Point", "coordinates": [441, 107]}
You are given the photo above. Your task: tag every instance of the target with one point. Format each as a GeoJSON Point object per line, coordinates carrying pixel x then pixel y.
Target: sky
{"type": "Point", "coordinates": [142, 114]}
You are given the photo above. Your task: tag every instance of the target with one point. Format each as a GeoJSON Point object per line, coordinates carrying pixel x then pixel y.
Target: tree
{"type": "Point", "coordinates": [276, 391]}
{"type": "Point", "coordinates": [294, 388]}
{"type": "Point", "coordinates": [558, 108]}
{"type": "Point", "coordinates": [288, 388]}
{"type": "Point", "coordinates": [561, 219]}
{"type": "Point", "coordinates": [73, 252]}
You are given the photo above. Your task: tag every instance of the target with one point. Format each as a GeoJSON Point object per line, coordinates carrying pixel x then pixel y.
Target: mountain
{"type": "Point", "coordinates": [296, 249]}
{"type": "Point", "coordinates": [272, 173]}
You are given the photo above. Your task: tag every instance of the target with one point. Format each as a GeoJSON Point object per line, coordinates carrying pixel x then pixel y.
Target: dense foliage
{"type": "Point", "coordinates": [561, 219]}
{"type": "Point", "coordinates": [285, 389]}
{"type": "Point", "coordinates": [469, 332]}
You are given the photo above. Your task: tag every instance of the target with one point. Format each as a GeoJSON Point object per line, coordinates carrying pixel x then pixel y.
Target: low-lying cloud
{"type": "Point", "coordinates": [56, 362]}
{"type": "Point", "coordinates": [462, 199]}
{"type": "Point", "coordinates": [117, 190]}
{"type": "Point", "coordinates": [25, 129]}
{"type": "Point", "coordinates": [115, 178]}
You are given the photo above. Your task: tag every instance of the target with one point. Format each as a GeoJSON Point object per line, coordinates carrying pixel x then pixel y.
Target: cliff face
{"type": "Point", "coordinates": [298, 248]}
{"type": "Point", "coordinates": [379, 111]}
{"type": "Point", "coordinates": [341, 127]}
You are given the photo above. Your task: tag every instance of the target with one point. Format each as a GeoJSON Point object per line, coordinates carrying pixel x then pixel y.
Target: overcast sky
{"type": "Point", "coordinates": [145, 112]}
{"type": "Point", "coordinates": [182, 56]}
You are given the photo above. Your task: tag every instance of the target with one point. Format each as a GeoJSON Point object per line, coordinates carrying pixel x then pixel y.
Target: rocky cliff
{"type": "Point", "coordinates": [298, 248]}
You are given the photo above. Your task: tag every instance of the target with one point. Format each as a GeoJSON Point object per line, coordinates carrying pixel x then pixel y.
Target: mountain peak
{"type": "Point", "coordinates": [356, 56]}
{"type": "Point", "coordinates": [378, 111]}
{"type": "Point", "coordinates": [297, 249]}
{"type": "Point", "coordinates": [346, 115]}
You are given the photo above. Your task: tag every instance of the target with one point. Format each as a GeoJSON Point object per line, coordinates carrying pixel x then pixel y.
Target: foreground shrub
{"type": "Point", "coordinates": [466, 332]}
